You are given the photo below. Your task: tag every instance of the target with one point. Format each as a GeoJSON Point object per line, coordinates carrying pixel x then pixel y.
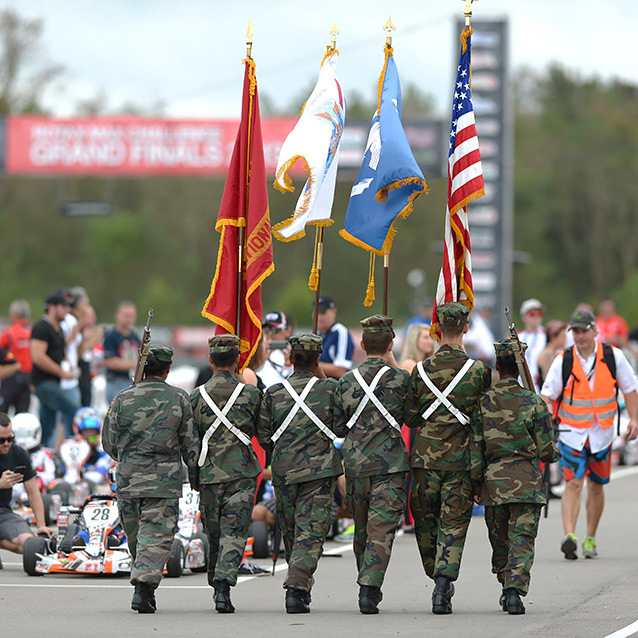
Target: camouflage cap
{"type": "Point", "coordinates": [504, 347]}
{"type": "Point", "coordinates": [377, 323]}
{"type": "Point", "coordinates": [307, 342]}
{"type": "Point", "coordinates": [453, 314]}
{"type": "Point", "coordinates": [582, 319]}
{"type": "Point", "coordinates": [223, 343]}
{"type": "Point", "coordinates": [161, 353]}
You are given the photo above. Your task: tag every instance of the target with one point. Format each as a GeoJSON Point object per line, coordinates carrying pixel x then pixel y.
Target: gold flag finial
{"type": "Point", "coordinates": [389, 28]}
{"type": "Point", "coordinates": [467, 10]}
{"type": "Point", "coordinates": [334, 32]}
{"type": "Point", "coordinates": [249, 39]}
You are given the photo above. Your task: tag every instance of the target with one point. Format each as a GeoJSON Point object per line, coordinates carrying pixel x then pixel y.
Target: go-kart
{"type": "Point", "coordinates": [190, 546]}
{"type": "Point", "coordinates": [90, 540]}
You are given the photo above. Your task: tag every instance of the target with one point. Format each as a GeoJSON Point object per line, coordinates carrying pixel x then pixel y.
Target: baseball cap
{"type": "Point", "coordinates": [531, 304]}
{"type": "Point", "coordinates": [161, 353]}
{"type": "Point", "coordinates": [325, 302]}
{"type": "Point", "coordinates": [306, 342]}
{"type": "Point", "coordinates": [453, 313]}
{"type": "Point", "coordinates": [277, 320]}
{"type": "Point", "coordinates": [223, 343]}
{"type": "Point", "coordinates": [582, 319]}
{"type": "Point", "coordinates": [377, 323]}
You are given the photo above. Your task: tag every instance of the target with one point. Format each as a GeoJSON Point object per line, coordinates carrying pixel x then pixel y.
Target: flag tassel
{"type": "Point", "coordinates": [313, 280]}
{"type": "Point", "coordinates": [370, 289]}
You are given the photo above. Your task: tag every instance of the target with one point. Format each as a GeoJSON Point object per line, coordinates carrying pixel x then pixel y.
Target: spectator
{"type": "Point", "coordinates": [612, 328]}
{"type": "Point", "coordinates": [92, 351]}
{"type": "Point", "coordinates": [277, 328]}
{"type": "Point", "coordinates": [338, 347]}
{"type": "Point", "coordinates": [121, 347]}
{"type": "Point", "coordinates": [418, 345]}
{"type": "Point", "coordinates": [47, 355]}
{"type": "Point", "coordinates": [479, 339]}
{"type": "Point", "coordinates": [533, 335]}
{"type": "Point", "coordinates": [15, 467]}
{"type": "Point", "coordinates": [9, 366]}
{"type": "Point", "coordinates": [424, 316]}
{"type": "Point", "coordinates": [16, 389]}
{"type": "Point", "coordinates": [556, 336]}
{"type": "Point", "coordinates": [72, 331]}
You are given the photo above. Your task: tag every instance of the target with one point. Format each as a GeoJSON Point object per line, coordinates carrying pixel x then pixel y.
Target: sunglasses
{"type": "Point", "coordinates": [7, 439]}
{"type": "Point", "coordinates": [535, 313]}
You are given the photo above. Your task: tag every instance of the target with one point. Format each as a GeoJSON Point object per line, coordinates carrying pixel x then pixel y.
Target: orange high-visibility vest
{"type": "Point", "coordinates": [581, 404]}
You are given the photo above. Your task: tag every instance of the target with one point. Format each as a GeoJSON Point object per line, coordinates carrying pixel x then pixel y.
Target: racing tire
{"type": "Point", "coordinates": [175, 563]}
{"type": "Point", "coordinates": [260, 531]}
{"type": "Point", "coordinates": [204, 568]}
{"type": "Point", "coordinates": [32, 546]}
{"type": "Point", "coordinates": [47, 502]}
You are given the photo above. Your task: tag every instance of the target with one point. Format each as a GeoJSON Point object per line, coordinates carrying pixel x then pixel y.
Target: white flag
{"type": "Point", "coordinates": [315, 142]}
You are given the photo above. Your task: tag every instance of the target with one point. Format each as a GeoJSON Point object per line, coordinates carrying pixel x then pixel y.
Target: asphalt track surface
{"type": "Point", "coordinates": [579, 598]}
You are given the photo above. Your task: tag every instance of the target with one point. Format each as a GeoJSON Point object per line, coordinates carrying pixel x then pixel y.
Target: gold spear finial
{"type": "Point", "coordinates": [467, 10]}
{"type": "Point", "coordinates": [389, 28]}
{"type": "Point", "coordinates": [334, 32]}
{"type": "Point", "coordinates": [249, 39]}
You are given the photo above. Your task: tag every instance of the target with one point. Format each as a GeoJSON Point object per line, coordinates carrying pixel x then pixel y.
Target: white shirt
{"type": "Point", "coordinates": [599, 438]}
{"type": "Point", "coordinates": [71, 352]}
{"type": "Point", "coordinates": [275, 369]}
{"type": "Point", "coordinates": [536, 342]}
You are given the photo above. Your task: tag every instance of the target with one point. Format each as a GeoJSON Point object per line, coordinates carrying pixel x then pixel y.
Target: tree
{"type": "Point", "coordinates": [25, 75]}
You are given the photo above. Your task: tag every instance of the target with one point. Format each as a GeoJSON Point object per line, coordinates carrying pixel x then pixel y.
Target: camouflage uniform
{"type": "Point", "coordinates": [148, 430]}
{"type": "Point", "coordinates": [514, 433]}
{"type": "Point", "coordinates": [441, 498]}
{"type": "Point", "coordinates": [375, 458]}
{"type": "Point", "coordinates": [304, 464]}
{"type": "Point", "coordinates": [228, 468]}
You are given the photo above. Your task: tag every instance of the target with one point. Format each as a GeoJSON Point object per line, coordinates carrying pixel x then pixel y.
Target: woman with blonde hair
{"type": "Point", "coordinates": [418, 346]}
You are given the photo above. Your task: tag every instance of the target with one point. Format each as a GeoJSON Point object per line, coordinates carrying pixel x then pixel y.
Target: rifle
{"type": "Point", "coordinates": [143, 351]}
{"type": "Point", "coordinates": [528, 383]}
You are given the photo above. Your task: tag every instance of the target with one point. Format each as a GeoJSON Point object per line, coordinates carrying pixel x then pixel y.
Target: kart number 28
{"type": "Point", "coordinates": [100, 514]}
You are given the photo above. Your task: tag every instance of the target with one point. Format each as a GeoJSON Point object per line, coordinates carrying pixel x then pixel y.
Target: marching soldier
{"type": "Point", "coordinates": [369, 407]}
{"type": "Point", "coordinates": [295, 422]}
{"type": "Point", "coordinates": [442, 399]}
{"type": "Point", "coordinates": [514, 433]}
{"type": "Point", "coordinates": [148, 430]}
{"type": "Point", "coordinates": [226, 412]}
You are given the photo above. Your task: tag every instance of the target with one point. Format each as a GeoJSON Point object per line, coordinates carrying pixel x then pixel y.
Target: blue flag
{"type": "Point", "coordinates": [389, 179]}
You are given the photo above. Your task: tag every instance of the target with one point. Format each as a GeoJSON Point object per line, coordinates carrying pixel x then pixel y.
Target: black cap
{"type": "Point", "coordinates": [277, 320]}
{"type": "Point", "coordinates": [325, 302]}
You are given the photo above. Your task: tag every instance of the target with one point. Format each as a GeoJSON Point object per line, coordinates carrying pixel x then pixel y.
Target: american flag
{"type": "Point", "coordinates": [465, 183]}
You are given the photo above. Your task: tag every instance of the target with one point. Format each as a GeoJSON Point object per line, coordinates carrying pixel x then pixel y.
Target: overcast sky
{"type": "Point", "coordinates": [188, 53]}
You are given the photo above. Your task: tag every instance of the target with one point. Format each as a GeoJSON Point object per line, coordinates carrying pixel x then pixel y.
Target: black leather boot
{"type": "Point", "coordinates": [502, 601]}
{"type": "Point", "coordinates": [222, 598]}
{"type": "Point", "coordinates": [369, 598]}
{"type": "Point", "coordinates": [514, 603]}
{"type": "Point", "coordinates": [297, 601]}
{"type": "Point", "coordinates": [442, 595]}
{"type": "Point", "coordinates": [143, 599]}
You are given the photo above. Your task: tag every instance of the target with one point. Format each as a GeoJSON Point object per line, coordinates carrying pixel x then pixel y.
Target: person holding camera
{"type": "Point", "coordinates": [15, 467]}
{"type": "Point", "coordinates": [276, 328]}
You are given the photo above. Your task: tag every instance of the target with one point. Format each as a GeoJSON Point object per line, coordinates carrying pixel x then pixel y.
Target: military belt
{"type": "Point", "coordinates": [441, 397]}
{"type": "Point", "coordinates": [221, 418]}
{"type": "Point", "coordinates": [370, 396]}
{"type": "Point", "coordinates": [300, 404]}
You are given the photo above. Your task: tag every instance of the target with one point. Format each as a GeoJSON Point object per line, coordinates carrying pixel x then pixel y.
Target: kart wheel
{"type": "Point", "coordinates": [175, 564]}
{"type": "Point", "coordinates": [32, 546]}
{"type": "Point", "coordinates": [47, 502]}
{"type": "Point", "coordinates": [204, 567]}
{"type": "Point", "coordinates": [260, 531]}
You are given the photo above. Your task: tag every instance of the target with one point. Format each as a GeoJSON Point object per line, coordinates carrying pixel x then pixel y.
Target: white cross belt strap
{"type": "Point", "coordinates": [221, 418]}
{"type": "Point", "coordinates": [441, 397]}
{"type": "Point", "coordinates": [300, 403]}
{"type": "Point", "coordinates": [370, 396]}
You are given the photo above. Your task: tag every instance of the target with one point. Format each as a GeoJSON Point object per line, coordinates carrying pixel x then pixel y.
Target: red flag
{"type": "Point", "coordinates": [465, 184]}
{"type": "Point", "coordinates": [244, 204]}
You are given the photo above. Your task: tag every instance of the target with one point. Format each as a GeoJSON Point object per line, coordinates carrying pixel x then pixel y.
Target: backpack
{"type": "Point", "coordinates": [568, 363]}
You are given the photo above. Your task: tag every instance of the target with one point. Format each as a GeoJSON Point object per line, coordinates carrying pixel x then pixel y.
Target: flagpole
{"type": "Point", "coordinates": [242, 229]}
{"type": "Point", "coordinates": [388, 27]}
{"type": "Point", "coordinates": [334, 32]}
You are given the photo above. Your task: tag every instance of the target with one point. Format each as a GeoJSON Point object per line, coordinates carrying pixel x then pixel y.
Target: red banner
{"type": "Point", "coordinates": [130, 145]}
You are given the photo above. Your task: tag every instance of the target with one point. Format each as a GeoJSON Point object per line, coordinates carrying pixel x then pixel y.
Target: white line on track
{"type": "Point", "coordinates": [629, 630]}
{"type": "Point", "coordinates": [242, 579]}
